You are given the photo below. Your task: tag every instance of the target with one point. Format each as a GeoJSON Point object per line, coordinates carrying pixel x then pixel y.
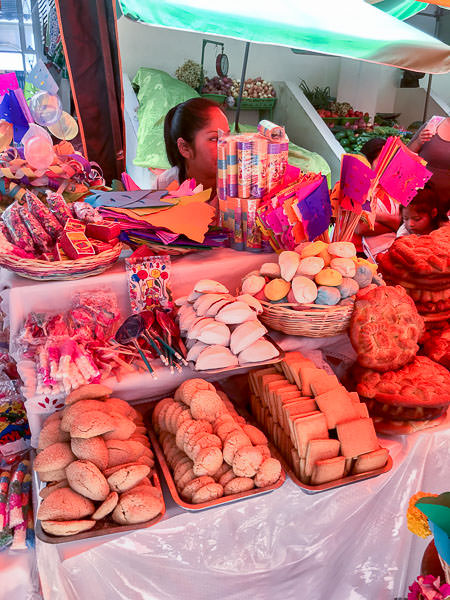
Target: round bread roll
{"type": "Point", "coordinates": [67, 527]}
{"type": "Point", "coordinates": [195, 350]}
{"type": "Point", "coordinates": [122, 451]}
{"type": "Point", "coordinates": [208, 461]}
{"type": "Point", "coordinates": [253, 284]}
{"type": "Point", "coordinates": [157, 410]}
{"type": "Point", "coordinates": [226, 477]}
{"type": "Point", "coordinates": [342, 249]}
{"type": "Point", "coordinates": [138, 506]}
{"type": "Point", "coordinates": [208, 440]}
{"type": "Point", "coordinates": [59, 475]}
{"type": "Point", "coordinates": [247, 461]}
{"type": "Point", "coordinates": [145, 460]}
{"type": "Point", "coordinates": [193, 486]}
{"type": "Point", "coordinates": [107, 506]}
{"type": "Point", "coordinates": [304, 290]}
{"type": "Point", "coordinates": [256, 436]}
{"type": "Point", "coordinates": [328, 277]}
{"type": "Point", "coordinates": [252, 302]}
{"type": "Point", "coordinates": [207, 405]}
{"type": "Point", "coordinates": [232, 443]}
{"type": "Point", "coordinates": [202, 304]}
{"type": "Point", "coordinates": [93, 449]}
{"type": "Point", "coordinates": [71, 413]}
{"type": "Point", "coordinates": [207, 493]}
{"type": "Point", "coordinates": [189, 387]}
{"type": "Point", "coordinates": [260, 350]}
{"type": "Point", "coordinates": [92, 423]}
{"type": "Point", "coordinates": [363, 276]}
{"type": "Point", "coordinates": [186, 478]}
{"type": "Point", "coordinates": [270, 269]}
{"type": "Point", "coordinates": [182, 468]}
{"type": "Point", "coordinates": [110, 470]}
{"type": "Point", "coordinates": [124, 479]}
{"type": "Point", "coordinates": [119, 406]}
{"type": "Point", "coordinates": [238, 485]}
{"type": "Point", "coordinates": [264, 450]}
{"type": "Point", "coordinates": [345, 266]}
{"type": "Point", "coordinates": [147, 487]}
{"type": "Point", "coordinates": [222, 470]}
{"type": "Point", "coordinates": [209, 286]}
{"type": "Point", "coordinates": [56, 416]}
{"type": "Point", "coordinates": [233, 314]}
{"type": "Point", "coordinates": [50, 487]}
{"type": "Point", "coordinates": [52, 433]}
{"type": "Point", "coordinates": [310, 265]}
{"type": "Point", "coordinates": [86, 479]}
{"type": "Point", "coordinates": [223, 418]}
{"type": "Point", "coordinates": [226, 428]}
{"type": "Point", "coordinates": [53, 458]}
{"type": "Point", "coordinates": [63, 504]}
{"type": "Point", "coordinates": [179, 436]}
{"type": "Point", "coordinates": [313, 249]}
{"type": "Point", "coordinates": [288, 262]}
{"type": "Point", "coordinates": [173, 409]}
{"type": "Point", "coordinates": [268, 473]}
{"type": "Point", "coordinates": [92, 390]}
{"type": "Point", "coordinates": [195, 427]}
{"type": "Point", "coordinates": [277, 289]}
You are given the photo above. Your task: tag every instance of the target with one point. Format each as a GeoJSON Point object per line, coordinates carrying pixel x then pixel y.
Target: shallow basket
{"type": "Point", "coordinates": [61, 270]}
{"type": "Point", "coordinates": [313, 320]}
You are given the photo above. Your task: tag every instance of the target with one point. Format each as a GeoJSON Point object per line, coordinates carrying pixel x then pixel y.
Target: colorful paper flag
{"type": "Point", "coordinates": [41, 78]}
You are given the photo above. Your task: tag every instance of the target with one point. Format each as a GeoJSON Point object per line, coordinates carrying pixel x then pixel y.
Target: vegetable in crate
{"type": "Point", "coordinates": [190, 73]}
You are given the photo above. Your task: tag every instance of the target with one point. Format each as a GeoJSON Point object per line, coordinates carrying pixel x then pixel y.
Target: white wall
{"type": "Point", "coordinates": [165, 49]}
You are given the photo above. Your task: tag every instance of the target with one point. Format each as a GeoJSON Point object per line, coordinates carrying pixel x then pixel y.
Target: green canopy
{"type": "Point", "coordinates": [400, 9]}
{"type": "Point", "coordinates": [350, 28]}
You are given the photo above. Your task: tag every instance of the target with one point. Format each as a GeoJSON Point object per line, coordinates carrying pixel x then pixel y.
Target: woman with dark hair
{"type": "Point", "coordinates": [191, 130]}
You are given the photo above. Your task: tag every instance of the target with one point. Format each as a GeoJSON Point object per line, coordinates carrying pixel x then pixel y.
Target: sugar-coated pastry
{"type": "Point", "coordinates": [209, 286]}
{"type": "Point", "coordinates": [328, 295]}
{"type": "Point", "coordinates": [345, 266]}
{"type": "Point", "coordinates": [86, 479]}
{"type": "Point", "coordinates": [190, 387]}
{"type": "Point", "coordinates": [225, 428]}
{"type": "Point", "coordinates": [258, 351]}
{"type": "Point", "coordinates": [276, 289]}
{"type": "Point", "coordinates": [195, 427]}
{"type": "Point", "coordinates": [226, 477]}
{"type": "Point", "coordinates": [123, 427]}
{"type": "Point", "coordinates": [121, 451]}
{"type": "Point", "coordinates": [186, 478]}
{"type": "Point", "coordinates": [247, 461]}
{"type": "Point", "coordinates": [137, 506]}
{"type": "Point", "coordinates": [91, 390]}
{"type": "Point", "coordinates": [67, 527]}
{"type": "Point", "coordinates": [232, 443]}
{"type": "Point", "coordinates": [271, 270]}
{"type": "Point", "coordinates": [348, 287]}
{"type": "Point", "coordinates": [363, 275]}
{"type": "Point", "coordinates": [235, 313]}
{"type": "Point", "coordinates": [179, 436]}
{"type": "Point", "coordinates": [238, 485]}
{"type": "Point", "coordinates": [58, 475]}
{"type": "Point", "coordinates": [268, 473]}
{"type": "Point", "coordinates": [288, 262]}
{"type": "Point", "coordinates": [124, 479]}
{"type": "Point", "coordinates": [252, 302]}
{"type": "Point", "coordinates": [64, 504]}
{"type": "Point", "coordinates": [246, 334]}
{"type": "Point", "coordinates": [193, 486]}
{"type": "Point", "coordinates": [329, 277]}
{"type": "Point", "coordinates": [207, 440]}
{"type": "Point", "coordinates": [313, 249]}
{"type": "Point", "coordinates": [207, 405]}
{"type": "Point", "coordinates": [222, 471]}
{"type": "Point", "coordinates": [93, 449]}
{"type": "Point", "coordinates": [253, 284]}
{"type": "Point", "coordinates": [52, 433]}
{"type": "Point", "coordinates": [92, 423]}
{"type": "Point", "coordinates": [107, 506]}
{"type": "Point", "coordinates": [208, 461]}
{"type": "Point", "coordinates": [256, 436]}
{"type": "Point", "coordinates": [50, 487]}
{"type": "Point", "coordinates": [310, 265]}
{"type": "Point", "coordinates": [183, 466]}
{"type": "Point", "coordinates": [53, 458]}
{"type": "Point", "coordinates": [303, 289]}
{"type": "Point", "coordinates": [342, 249]}
{"type": "Point", "coordinates": [207, 493]}
{"type": "Point", "coordinates": [215, 357]}
{"type": "Point", "coordinates": [71, 413]}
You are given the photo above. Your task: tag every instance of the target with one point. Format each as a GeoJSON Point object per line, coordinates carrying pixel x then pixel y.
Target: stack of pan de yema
{"type": "Point", "coordinates": [222, 330]}
{"type": "Point", "coordinates": [97, 462]}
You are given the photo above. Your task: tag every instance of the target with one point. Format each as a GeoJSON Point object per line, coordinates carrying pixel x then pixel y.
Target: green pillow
{"type": "Point", "coordinates": [157, 93]}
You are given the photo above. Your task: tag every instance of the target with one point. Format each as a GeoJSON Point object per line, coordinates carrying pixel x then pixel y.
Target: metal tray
{"type": "Point", "coordinates": [253, 365]}
{"type": "Point", "coordinates": [102, 527]}
{"type": "Point", "coordinates": [173, 489]}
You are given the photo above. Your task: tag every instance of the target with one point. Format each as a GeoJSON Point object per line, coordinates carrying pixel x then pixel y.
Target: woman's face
{"type": "Point", "coordinates": [201, 155]}
{"type": "Point", "coordinates": [417, 223]}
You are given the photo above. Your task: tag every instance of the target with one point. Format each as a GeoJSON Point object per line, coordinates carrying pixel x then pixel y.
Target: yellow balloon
{"type": "Point", "coordinates": [64, 129]}
{"type": "Point", "coordinates": [6, 134]}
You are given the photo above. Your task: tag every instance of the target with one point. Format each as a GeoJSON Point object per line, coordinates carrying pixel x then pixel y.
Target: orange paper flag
{"type": "Point", "coordinates": [191, 220]}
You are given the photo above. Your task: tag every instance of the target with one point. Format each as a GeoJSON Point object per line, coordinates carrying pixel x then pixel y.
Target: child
{"type": "Point", "coordinates": [421, 216]}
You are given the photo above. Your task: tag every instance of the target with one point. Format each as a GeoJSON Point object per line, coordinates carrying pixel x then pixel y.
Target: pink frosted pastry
{"type": "Point", "coordinates": [207, 405]}
{"type": "Point", "coordinates": [208, 461]}
{"type": "Point", "coordinates": [247, 461]}
{"type": "Point", "coordinates": [193, 486]}
{"type": "Point", "coordinates": [268, 473]}
{"type": "Point", "coordinates": [238, 485]}
{"type": "Point", "coordinates": [207, 493]}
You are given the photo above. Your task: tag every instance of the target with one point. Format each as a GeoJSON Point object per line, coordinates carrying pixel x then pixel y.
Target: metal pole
{"type": "Point", "coordinates": [437, 15]}
{"type": "Point", "coordinates": [241, 87]}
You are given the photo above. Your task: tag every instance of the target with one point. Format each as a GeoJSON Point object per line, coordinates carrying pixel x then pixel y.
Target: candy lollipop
{"type": "Point", "coordinates": [4, 485]}
{"type": "Point", "coordinates": [46, 108]}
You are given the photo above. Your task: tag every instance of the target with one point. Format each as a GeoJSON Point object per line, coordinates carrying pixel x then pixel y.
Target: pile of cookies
{"type": "Point", "coordinates": [421, 264]}
{"type": "Point", "coordinates": [399, 387]}
{"type": "Point", "coordinates": [323, 431]}
{"type": "Point", "coordinates": [96, 460]}
{"type": "Point", "coordinates": [210, 449]}
{"type": "Point", "coordinates": [319, 273]}
{"type": "Point", "coordinates": [221, 330]}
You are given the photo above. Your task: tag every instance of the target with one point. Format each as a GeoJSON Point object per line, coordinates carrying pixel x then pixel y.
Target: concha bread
{"type": "Point", "coordinates": [245, 335]}
{"type": "Point", "coordinates": [54, 458]}
{"type": "Point", "coordinates": [258, 351]}
{"type": "Point", "coordinates": [92, 390]}
{"type": "Point", "coordinates": [235, 313]}
{"type": "Point", "coordinates": [137, 507]}
{"type": "Point", "coordinates": [215, 357]}
{"type": "Point", "coordinates": [288, 262]}
{"type": "Point", "coordinates": [63, 504]}
{"type": "Point", "coordinates": [209, 286]}
{"type": "Point", "coordinates": [86, 479]}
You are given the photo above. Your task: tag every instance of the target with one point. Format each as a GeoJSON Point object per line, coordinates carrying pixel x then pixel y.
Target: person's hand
{"type": "Point", "coordinates": [424, 136]}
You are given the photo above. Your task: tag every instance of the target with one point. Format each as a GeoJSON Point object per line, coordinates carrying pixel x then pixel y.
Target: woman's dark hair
{"type": "Point", "coordinates": [372, 148]}
{"type": "Point", "coordinates": [424, 202]}
{"type": "Point", "coordinates": [184, 120]}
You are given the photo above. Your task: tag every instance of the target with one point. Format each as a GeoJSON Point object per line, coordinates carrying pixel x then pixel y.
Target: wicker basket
{"type": "Point", "coordinates": [313, 320]}
{"type": "Point", "coordinates": [61, 270]}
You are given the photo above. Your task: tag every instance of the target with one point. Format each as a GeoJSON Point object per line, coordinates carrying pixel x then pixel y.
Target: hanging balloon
{"type": "Point", "coordinates": [36, 131]}
{"type": "Point", "coordinates": [6, 134]}
{"type": "Point", "coordinates": [66, 128]}
{"type": "Point", "coordinates": [46, 108]}
{"type": "Point", "coordinates": [39, 152]}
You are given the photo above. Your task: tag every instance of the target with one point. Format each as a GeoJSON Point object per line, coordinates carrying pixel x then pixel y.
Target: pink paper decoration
{"type": "Point", "coordinates": [403, 176]}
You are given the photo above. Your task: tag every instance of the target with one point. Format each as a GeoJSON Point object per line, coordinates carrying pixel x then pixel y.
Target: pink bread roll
{"type": "Point", "coordinates": [53, 458]}
{"type": "Point", "coordinates": [195, 427]}
{"type": "Point", "coordinates": [189, 387]}
{"type": "Point", "coordinates": [173, 415]}
{"type": "Point", "coordinates": [123, 427]}
{"type": "Point", "coordinates": [173, 409]}
{"type": "Point", "coordinates": [345, 266]}
{"type": "Point", "coordinates": [93, 449]}
{"type": "Point", "coordinates": [67, 527]}
{"type": "Point", "coordinates": [238, 485]}
{"type": "Point", "coordinates": [232, 443]}
{"type": "Point", "coordinates": [86, 479]}
{"type": "Point", "coordinates": [310, 265]}
{"type": "Point", "coordinates": [51, 434]}
{"type": "Point", "coordinates": [207, 405]}
{"type": "Point", "coordinates": [107, 506]}
{"type": "Point", "coordinates": [226, 417]}
{"type": "Point", "coordinates": [271, 270]}
{"type": "Point", "coordinates": [268, 473]}
{"type": "Point", "coordinates": [185, 479]}
{"type": "Point", "coordinates": [303, 289]}
{"type": "Point", "coordinates": [179, 436]}
{"type": "Point", "coordinates": [226, 477]}
{"type": "Point", "coordinates": [226, 428]}
{"type": "Point", "coordinates": [118, 405]}
{"type": "Point", "coordinates": [258, 351]}
{"type": "Point", "coordinates": [121, 451]}
{"type": "Point", "coordinates": [50, 487]}
{"type": "Point", "coordinates": [247, 461]}
{"type": "Point", "coordinates": [92, 423]}
{"type": "Point", "coordinates": [208, 440]}
{"type": "Point", "coordinates": [194, 438]}
{"type": "Point", "coordinates": [124, 479]}
{"type": "Point", "coordinates": [253, 284]}
{"type": "Point", "coordinates": [222, 471]}
{"type": "Point", "coordinates": [91, 390]}
{"type": "Point", "coordinates": [256, 436]}
{"type": "Point", "coordinates": [207, 493]}
{"type": "Point", "coordinates": [208, 461]}
{"type": "Point", "coordinates": [264, 450]}
{"type": "Point", "coordinates": [137, 506]}
{"type": "Point", "coordinates": [182, 468]}
{"type": "Point", "coordinates": [64, 504]}
{"type": "Point", "coordinates": [193, 486]}
{"type": "Point", "coordinates": [72, 412]}
{"type": "Point", "coordinates": [342, 249]}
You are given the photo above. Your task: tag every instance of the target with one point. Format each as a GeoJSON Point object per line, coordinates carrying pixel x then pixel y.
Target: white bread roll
{"type": "Point", "coordinates": [197, 326]}
{"type": "Point", "coordinates": [187, 319]}
{"type": "Point", "coordinates": [260, 350]}
{"type": "Point", "coordinates": [253, 284]}
{"type": "Point", "coordinates": [204, 302]}
{"type": "Point", "coordinates": [311, 265]}
{"type": "Point", "coordinates": [235, 313]}
{"type": "Point", "coordinates": [215, 357]}
{"type": "Point", "coordinates": [195, 350]}
{"type": "Point", "coordinates": [246, 334]}
{"type": "Point", "coordinates": [215, 333]}
{"type": "Point", "coordinates": [270, 270]}
{"type": "Point", "coordinates": [288, 262]}
{"type": "Point", "coordinates": [304, 289]}
{"type": "Point", "coordinates": [209, 286]}
{"type": "Point", "coordinates": [252, 302]}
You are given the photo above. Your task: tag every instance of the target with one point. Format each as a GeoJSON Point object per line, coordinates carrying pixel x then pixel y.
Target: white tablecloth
{"type": "Point", "coordinates": [351, 543]}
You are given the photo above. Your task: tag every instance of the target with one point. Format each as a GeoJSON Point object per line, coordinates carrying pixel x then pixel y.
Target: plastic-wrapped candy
{"type": "Point", "coordinates": [40, 237]}
{"type": "Point", "coordinates": [5, 477]}
{"type": "Point", "coordinates": [16, 227]}
{"type": "Point", "coordinates": [87, 213]}
{"type": "Point", "coordinates": [15, 494]}
{"type": "Point", "coordinates": [58, 206]}
{"type": "Point", "coordinates": [43, 215]}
